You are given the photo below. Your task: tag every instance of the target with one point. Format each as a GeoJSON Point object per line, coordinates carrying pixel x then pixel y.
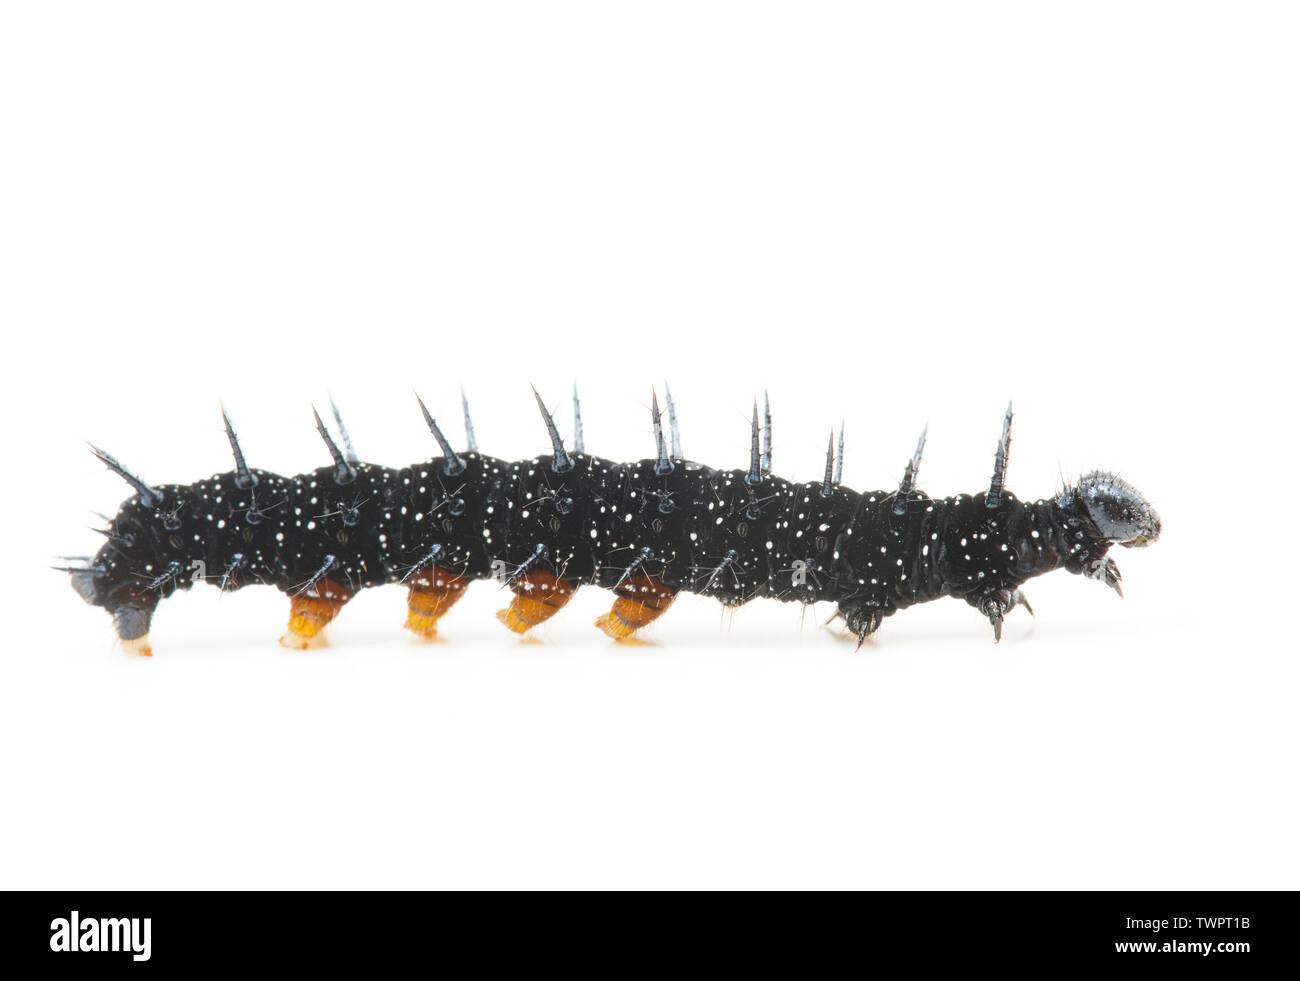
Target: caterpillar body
{"type": "Point", "coordinates": [645, 530]}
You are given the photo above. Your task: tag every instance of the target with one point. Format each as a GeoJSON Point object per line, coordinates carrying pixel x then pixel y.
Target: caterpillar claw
{"type": "Point", "coordinates": [1108, 572]}
{"type": "Point", "coordinates": [996, 606]}
{"type": "Point", "coordinates": [862, 623]}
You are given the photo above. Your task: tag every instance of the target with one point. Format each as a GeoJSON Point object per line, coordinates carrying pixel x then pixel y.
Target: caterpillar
{"type": "Point", "coordinates": [646, 530]}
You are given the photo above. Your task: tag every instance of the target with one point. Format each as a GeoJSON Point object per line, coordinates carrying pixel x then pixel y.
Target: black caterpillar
{"type": "Point", "coordinates": [646, 530]}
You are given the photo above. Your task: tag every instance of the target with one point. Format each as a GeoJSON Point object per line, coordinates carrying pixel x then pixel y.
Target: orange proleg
{"type": "Point", "coordinates": [311, 609]}
{"type": "Point", "coordinates": [641, 600]}
{"type": "Point", "coordinates": [434, 591]}
{"type": "Point", "coordinates": [539, 595]}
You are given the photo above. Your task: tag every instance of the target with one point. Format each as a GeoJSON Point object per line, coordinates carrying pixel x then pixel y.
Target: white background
{"type": "Point", "coordinates": [886, 213]}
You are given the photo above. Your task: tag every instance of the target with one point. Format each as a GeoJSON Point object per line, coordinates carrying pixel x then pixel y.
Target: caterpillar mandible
{"type": "Point", "coordinates": [645, 530]}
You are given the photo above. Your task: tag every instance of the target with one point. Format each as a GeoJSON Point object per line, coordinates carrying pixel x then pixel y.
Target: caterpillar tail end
{"type": "Point", "coordinates": [538, 596]}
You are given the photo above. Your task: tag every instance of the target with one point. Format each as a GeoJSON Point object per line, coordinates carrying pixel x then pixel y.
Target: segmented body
{"type": "Point", "coordinates": [647, 530]}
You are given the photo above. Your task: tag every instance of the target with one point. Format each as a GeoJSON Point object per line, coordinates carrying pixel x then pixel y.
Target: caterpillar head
{"type": "Point", "coordinates": [1113, 508]}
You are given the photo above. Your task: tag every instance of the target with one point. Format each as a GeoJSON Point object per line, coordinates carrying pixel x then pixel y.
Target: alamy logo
{"type": "Point", "coordinates": [105, 934]}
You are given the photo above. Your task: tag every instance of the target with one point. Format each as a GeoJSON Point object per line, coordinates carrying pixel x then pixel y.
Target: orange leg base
{"type": "Point", "coordinates": [538, 597]}
{"type": "Point", "coordinates": [641, 601]}
{"type": "Point", "coordinates": [310, 611]}
{"type": "Point", "coordinates": [433, 593]}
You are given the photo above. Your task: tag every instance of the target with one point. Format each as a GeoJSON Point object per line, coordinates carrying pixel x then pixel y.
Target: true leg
{"type": "Point", "coordinates": [863, 621]}
{"type": "Point", "coordinates": [996, 604]}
